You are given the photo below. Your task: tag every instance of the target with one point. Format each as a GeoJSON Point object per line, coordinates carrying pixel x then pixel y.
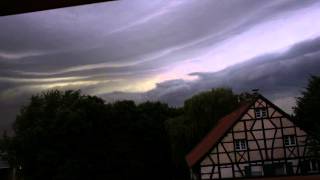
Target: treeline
{"type": "Point", "coordinates": [67, 135]}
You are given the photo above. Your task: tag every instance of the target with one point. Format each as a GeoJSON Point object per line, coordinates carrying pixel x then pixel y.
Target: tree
{"type": "Point", "coordinates": [66, 135]}
{"type": "Point", "coordinates": [141, 148]}
{"type": "Point", "coordinates": [308, 106]}
{"type": "Point", "coordinates": [55, 133]}
{"type": "Point", "coordinates": [200, 114]}
{"type": "Point", "coordinates": [205, 109]}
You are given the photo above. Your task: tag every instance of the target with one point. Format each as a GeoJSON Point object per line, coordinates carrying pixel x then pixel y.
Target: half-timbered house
{"type": "Point", "coordinates": [256, 140]}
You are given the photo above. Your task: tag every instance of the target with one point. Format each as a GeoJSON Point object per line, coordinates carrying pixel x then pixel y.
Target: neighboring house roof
{"type": "Point", "coordinates": [223, 125]}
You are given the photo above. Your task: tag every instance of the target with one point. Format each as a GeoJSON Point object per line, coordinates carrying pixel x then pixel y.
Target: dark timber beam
{"type": "Point", "coordinates": [11, 7]}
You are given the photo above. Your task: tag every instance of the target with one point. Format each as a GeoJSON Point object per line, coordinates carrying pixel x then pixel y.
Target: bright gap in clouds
{"type": "Point", "coordinates": [274, 36]}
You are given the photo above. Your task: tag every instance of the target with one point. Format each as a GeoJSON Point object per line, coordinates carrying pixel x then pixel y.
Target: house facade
{"type": "Point", "coordinates": [256, 140]}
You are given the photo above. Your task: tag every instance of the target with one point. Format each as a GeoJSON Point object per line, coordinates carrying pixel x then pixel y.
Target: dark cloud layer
{"type": "Point", "coordinates": [279, 76]}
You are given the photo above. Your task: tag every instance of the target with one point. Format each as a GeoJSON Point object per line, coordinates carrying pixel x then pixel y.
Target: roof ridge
{"type": "Point", "coordinates": [216, 133]}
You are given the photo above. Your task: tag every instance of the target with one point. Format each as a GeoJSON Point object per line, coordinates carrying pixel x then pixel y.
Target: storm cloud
{"type": "Point", "coordinates": [163, 50]}
{"type": "Point", "coordinates": [279, 76]}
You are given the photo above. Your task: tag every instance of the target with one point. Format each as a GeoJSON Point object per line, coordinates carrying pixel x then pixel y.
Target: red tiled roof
{"type": "Point", "coordinates": [224, 124]}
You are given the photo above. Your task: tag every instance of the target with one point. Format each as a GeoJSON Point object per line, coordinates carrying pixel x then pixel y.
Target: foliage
{"type": "Point", "coordinates": [180, 137]}
{"type": "Point", "coordinates": [205, 109]}
{"type": "Point", "coordinates": [200, 114]}
{"type": "Point", "coordinates": [306, 112]}
{"type": "Point", "coordinates": [308, 106]}
{"type": "Point", "coordinates": [66, 135]}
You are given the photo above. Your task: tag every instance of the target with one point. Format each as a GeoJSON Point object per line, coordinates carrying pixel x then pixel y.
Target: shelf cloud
{"type": "Point", "coordinates": [166, 50]}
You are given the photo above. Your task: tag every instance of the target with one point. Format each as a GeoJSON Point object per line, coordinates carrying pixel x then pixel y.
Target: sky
{"type": "Point", "coordinates": [160, 50]}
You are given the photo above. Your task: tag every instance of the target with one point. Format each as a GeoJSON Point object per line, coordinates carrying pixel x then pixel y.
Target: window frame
{"type": "Point", "coordinates": [261, 112]}
{"type": "Point", "coordinates": [289, 140]}
{"type": "Point", "coordinates": [240, 145]}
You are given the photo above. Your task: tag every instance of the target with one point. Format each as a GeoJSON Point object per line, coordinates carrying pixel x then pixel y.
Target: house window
{"type": "Point", "coordinates": [289, 140]}
{"type": "Point", "coordinates": [261, 112]}
{"type": "Point", "coordinates": [240, 144]}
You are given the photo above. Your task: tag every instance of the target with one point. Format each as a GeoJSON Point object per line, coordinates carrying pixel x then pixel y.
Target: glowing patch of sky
{"type": "Point", "coordinates": [13, 92]}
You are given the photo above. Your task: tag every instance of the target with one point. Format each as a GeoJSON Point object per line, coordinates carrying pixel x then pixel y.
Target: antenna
{"type": "Point", "coordinates": [255, 91]}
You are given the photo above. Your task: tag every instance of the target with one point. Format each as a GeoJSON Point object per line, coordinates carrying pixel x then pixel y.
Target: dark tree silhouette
{"type": "Point", "coordinates": [205, 109]}
{"type": "Point", "coordinates": [66, 135]}
{"type": "Point", "coordinates": [308, 106]}
{"type": "Point", "coordinates": [200, 114]}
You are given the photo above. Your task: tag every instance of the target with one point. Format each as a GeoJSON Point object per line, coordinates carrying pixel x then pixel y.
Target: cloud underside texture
{"type": "Point", "coordinates": [279, 76]}
{"type": "Point", "coordinates": [99, 49]}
